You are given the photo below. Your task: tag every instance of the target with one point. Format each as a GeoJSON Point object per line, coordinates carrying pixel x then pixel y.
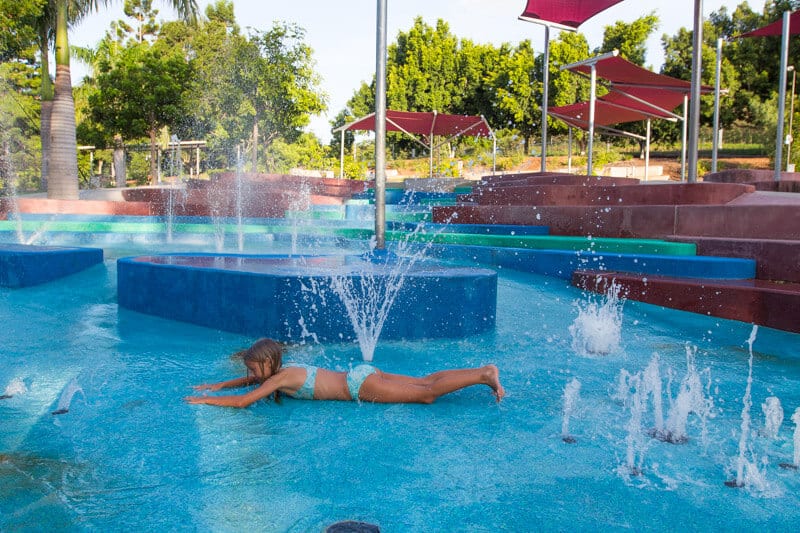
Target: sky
{"type": "Point", "coordinates": [342, 34]}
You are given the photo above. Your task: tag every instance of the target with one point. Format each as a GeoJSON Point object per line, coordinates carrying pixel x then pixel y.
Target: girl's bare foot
{"type": "Point", "coordinates": [492, 376]}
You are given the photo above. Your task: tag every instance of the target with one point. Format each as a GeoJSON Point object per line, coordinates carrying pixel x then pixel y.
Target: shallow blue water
{"type": "Point", "coordinates": [130, 453]}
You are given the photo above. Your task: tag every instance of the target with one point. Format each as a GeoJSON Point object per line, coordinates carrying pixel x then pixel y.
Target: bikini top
{"type": "Point", "coordinates": [306, 392]}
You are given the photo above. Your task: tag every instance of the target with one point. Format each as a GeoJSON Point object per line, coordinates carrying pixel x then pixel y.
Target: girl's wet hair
{"type": "Point", "coordinates": [267, 353]}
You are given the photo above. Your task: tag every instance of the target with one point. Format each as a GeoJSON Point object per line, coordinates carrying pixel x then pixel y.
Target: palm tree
{"type": "Point", "coordinates": [62, 173]}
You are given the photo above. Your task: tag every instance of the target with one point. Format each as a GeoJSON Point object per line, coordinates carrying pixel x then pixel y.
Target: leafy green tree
{"type": "Point", "coordinates": [142, 92]}
{"type": "Point", "coordinates": [422, 69]}
{"type": "Point", "coordinates": [280, 87]}
{"type": "Point", "coordinates": [19, 144]}
{"type": "Point", "coordinates": [18, 20]}
{"type": "Point", "coordinates": [63, 159]}
{"type": "Point", "coordinates": [566, 87]}
{"type": "Point", "coordinates": [517, 96]}
{"type": "Point", "coordinates": [630, 38]}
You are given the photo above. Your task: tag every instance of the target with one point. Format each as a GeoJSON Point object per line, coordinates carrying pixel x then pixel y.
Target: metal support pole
{"type": "Point", "coordinates": [782, 95]}
{"type": "Point", "coordinates": [697, 69]}
{"type": "Point", "coordinates": [715, 143]}
{"type": "Point", "coordinates": [789, 137]}
{"type": "Point", "coordinates": [341, 156]}
{"type": "Point", "coordinates": [647, 152]}
{"type": "Point", "coordinates": [380, 128]}
{"type": "Point", "coordinates": [684, 134]}
{"type": "Point", "coordinates": [545, 94]}
{"type": "Point", "coordinates": [569, 150]}
{"type": "Point", "coordinates": [590, 143]}
{"type": "Point", "coordinates": [494, 154]}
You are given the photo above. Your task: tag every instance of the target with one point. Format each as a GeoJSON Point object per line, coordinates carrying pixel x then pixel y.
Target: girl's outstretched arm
{"type": "Point", "coordinates": [230, 384]}
{"type": "Point", "coordinates": [243, 400]}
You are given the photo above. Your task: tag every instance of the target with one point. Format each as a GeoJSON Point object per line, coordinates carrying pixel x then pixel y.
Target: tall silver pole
{"type": "Point", "coordinates": [789, 137]}
{"type": "Point", "coordinates": [545, 94]}
{"type": "Point", "coordinates": [341, 157]}
{"type": "Point", "coordinates": [697, 68]}
{"type": "Point", "coordinates": [684, 134]}
{"type": "Point", "coordinates": [782, 95]}
{"type": "Point", "coordinates": [647, 151]}
{"type": "Point", "coordinates": [569, 150]}
{"type": "Point", "coordinates": [715, 144]}
{"type": "Point", "coordinates": [590, 143]}
{"type": "Point", "coordinates": [380, 128]}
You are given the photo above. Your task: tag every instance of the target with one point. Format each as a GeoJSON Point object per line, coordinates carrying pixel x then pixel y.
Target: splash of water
{"type": "Point", "coordinates": [15, 387]}
{"type": "Point", "coordinates": [691, 398]}
{"type": "Point", "coordinates": [773, 417]}
{"type": "Point", "coordinates": [796, 420]}
{"type": "Point", "coordinates": [597, 328]}
{"type": "Point", "coordinates": [634, 441]}
{"type": "Point", "coordinates": [652, 388]}
{"type": "Point", "coordinates": [368, 297]}
{"type": "Point", "coordinates": [299, 202]}
{"type": "Point", "coordinates": [571, 393]}
{"type": "Point", "coordinates": [747, 402]}
{"type": "Point", "coordinates": [67, 394]}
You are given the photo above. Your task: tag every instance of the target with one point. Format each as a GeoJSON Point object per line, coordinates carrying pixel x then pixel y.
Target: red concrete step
{"type": "Point", "coordinates": [608, 195]}
{"type": "Point", "coordinates": [766, 303]}
{"type": "Point", "coordinates": [776, 260]}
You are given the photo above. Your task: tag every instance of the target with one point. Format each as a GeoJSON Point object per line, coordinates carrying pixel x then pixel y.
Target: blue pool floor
{"type": "Point", "coordinates": [130, 453]}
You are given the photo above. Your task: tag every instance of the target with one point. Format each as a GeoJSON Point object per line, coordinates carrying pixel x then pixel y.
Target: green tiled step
{"type": "Point", "coordinates": [555, 242]}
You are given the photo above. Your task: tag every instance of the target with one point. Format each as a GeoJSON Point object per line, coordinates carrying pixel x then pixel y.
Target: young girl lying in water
{"type": "Point", "coordinates": [364, 382]}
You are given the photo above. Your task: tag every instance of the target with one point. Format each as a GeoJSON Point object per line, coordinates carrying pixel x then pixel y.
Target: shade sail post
{"type": "Point", "coordinates": [647, 152]}
{"type": "Point", "coordinates": [380, 127]}
{"type": "Point", "coordinates": [684, 134]}
{"type": "Point", "coordinates": [782, 94]}
{"type": "Point", "coordinates": [592, 63]}
{"type": "Point", "coordinates": [545, 94]}
{"type": "Point", "coordinates": [717, 82]}
{"type": "Point", "coordinates": [494, 154]}
{"type": "Point", "coordinates": [569, 149]}
{"type": "Point", "coordinates": [341, 157]}
{"type": "Point", "coordinates": [697, 68]}
{"type": "Point", "coordinates": [592, 102]}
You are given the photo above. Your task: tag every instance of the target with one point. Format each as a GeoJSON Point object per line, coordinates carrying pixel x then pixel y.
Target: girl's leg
{"type": "Point", "coordinates": [381, 387]}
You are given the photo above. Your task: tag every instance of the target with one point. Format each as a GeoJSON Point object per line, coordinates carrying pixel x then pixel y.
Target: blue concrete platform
{"type": "Point", "coordinates": [25, 265]}
{"type": "Point", "coordinates": [562, 263]}
{"type": "Point", "coordinates": [482, 229]}
{"type": "Point", "coordinates": [293, 299]}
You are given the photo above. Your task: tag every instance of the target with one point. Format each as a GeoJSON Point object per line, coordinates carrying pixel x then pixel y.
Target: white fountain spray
{"type": "Point", "coordinates": [67, 394]}
{"type": "Point", "coordinates": [747, 402]}
{"type": "Point", "coordinates": [796, 420]}
{"type": "Point", "coordinates": [691, 398]}
{"type": "Point", "coordinates": [14, 388]}
{"type": "Point", "coordinates": [773, 417]}
{"type": "Point", "coordinates": [652, 388]}
{"type": "Point", "coordinates": [368, 297]}
{"type": "Point", "coordinates": [795, 464]}
{"type": "Point", "coordinates": [571, 393]}
{"type": "Point", "coordinates": [597, 328]}
{"type": "Point", "coordinates": [634, 441]}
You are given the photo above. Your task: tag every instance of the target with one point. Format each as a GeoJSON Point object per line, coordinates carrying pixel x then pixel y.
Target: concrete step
{"type": "Point", "coordinates": [776, 260]}
{"type": "Point", "coordinates": [766, 303]}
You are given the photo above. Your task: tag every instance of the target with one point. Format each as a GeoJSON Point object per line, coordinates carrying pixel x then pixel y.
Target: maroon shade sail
{"type": "Point", "coordinates": [776, 28]}
{"type": "Point", "coordinates": [622, 73]}
{"type": "Point", "coordinates": [619, 108]}
{"type": "Point", "coordinates": [570, 13]}
{"type": "Point", "coordinates": [421, 123]}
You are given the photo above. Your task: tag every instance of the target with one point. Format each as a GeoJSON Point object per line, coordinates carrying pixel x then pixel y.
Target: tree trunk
{"type": "Point", "coordinates": [254, 155]}
{"type": "Point", "coordinates": [62, 182]}
{"type": "Point", "coordinates": [118, 159]}
{"type": "Point", "coordinates": [47, 94]}
{"type": "Point", "coordinates": [153, 157]}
